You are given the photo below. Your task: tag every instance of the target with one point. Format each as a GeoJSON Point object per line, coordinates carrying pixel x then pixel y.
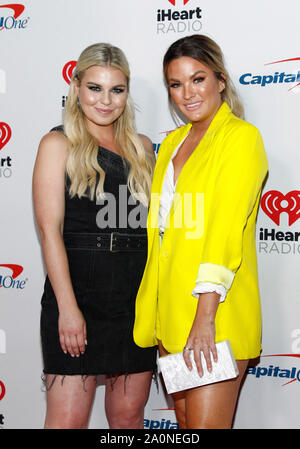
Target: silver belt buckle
{"type": "Point", "coordinates": [111, 242]}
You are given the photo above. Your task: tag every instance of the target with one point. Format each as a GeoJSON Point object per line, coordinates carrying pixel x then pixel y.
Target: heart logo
{"type": "Point", "coordinates": [68, 70]}
{"type": "Point", "coordinates": [174, 2]}
{"type": "Point", "coordinates": [5, 134]}
{"type": "Point", "coordinates": [273, 203]}
{"type": "Point", "coordinates": [2, 390]}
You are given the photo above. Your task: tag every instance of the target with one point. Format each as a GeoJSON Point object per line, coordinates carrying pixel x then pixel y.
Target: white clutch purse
{"type": "Point", "coordinates": [178, 377]}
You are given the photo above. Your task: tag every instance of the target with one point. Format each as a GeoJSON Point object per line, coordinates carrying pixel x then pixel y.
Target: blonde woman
{"type": "Point", "coordinates": [204, 283]}
{"type": "Point", "coordinates": [91, 188]}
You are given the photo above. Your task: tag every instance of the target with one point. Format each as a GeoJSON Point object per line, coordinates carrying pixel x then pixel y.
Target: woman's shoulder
{"type": "Point", "coordinates": [54, 143]}
{"type": "Point", "coordinates": [236, 125]}
{"type": "Point", "coordinates": [51, 157]}
{"type": "Point", "coordinates": [147, 143]}
{"type": "Point", "coordinates": [58, 128]}
{"type": "Point", "coordinates": [55, 135]}
{"type": "Point", "coordinates": [242, 141]}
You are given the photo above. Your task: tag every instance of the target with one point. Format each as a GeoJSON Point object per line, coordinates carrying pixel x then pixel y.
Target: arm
{"type": "Point", "coordinates": [49, 205]}
{"type": "Point", "coordinates": [239, 177]}
{"type": "Point", "coordinates": [202, 334]}
{"type": "Point", "coordinates": [241, 171]}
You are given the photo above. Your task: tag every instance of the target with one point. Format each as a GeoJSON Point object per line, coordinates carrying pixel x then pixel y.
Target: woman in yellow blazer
{"type": "Point", "coordinates": [200, 284]}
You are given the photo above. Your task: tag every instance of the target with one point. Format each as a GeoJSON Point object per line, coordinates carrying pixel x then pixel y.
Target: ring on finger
{"type": "Point", "coordinates": [185, 348]}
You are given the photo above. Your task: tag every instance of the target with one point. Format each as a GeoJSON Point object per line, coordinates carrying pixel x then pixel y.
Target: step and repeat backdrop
{"type": "Point", "coordinates": [40, 42]}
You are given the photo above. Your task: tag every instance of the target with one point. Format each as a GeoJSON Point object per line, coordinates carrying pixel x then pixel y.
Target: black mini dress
{"type": "Point", "coordinates": [106, 266]}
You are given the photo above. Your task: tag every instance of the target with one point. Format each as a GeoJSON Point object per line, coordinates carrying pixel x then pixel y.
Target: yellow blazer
{"type": "Point", "coordinates": [209, 237]}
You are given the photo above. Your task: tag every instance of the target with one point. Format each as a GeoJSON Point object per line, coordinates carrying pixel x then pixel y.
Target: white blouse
{"type": "Point", "coordinates": [166, 199]}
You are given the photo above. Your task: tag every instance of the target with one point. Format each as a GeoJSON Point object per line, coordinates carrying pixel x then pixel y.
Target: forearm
{"type": "Point", "coordinates": [207, 307]}
{"type": "Point", "coordinates": [57, 266]}
{"type": "Point", "coordinates": [202, 334]}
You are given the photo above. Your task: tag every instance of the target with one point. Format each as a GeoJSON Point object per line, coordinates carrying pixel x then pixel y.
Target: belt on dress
{"type": "Point", "coordinates": [113, 242]}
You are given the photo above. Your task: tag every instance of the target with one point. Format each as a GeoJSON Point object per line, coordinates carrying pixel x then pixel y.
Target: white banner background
{"type": "Point", "coordinates": [34, 49]}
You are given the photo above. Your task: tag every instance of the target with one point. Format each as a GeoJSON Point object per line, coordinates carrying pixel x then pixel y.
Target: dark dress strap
{"type": "Point", "coordinates": [59, 128]}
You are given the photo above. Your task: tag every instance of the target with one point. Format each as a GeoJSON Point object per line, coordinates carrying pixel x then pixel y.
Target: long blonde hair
{"type": "Point", "coordinates": [82, 163]}
{"type": "Point", "coordinates": [204, 49]}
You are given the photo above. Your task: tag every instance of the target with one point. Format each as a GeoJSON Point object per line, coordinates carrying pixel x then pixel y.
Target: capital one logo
{"type": "Point", "coordinates": [67, 71]}
{"type": "Point", "coordinates": [174, 2]}
{"type": "Point", "coordinates": [277, 78]}
{"type": "Point", "coordinates": [5, 134]}
{"type": "Point", "coordinates": [10, 22]}
{"type": "Point", "coordinates": [289, 375]}
{"type": "Point", "coordinates": [16, 7]}
{"type": "Point", "coordinates": [274, 203]}
{"type": "Point", "coordinates": [288, 60]}
{"type": "Point", "coordinates": [10, 280]}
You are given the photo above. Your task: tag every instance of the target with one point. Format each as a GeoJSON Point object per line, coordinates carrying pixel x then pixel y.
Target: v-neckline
{"type": "Point", "coordinates": [174, 155]}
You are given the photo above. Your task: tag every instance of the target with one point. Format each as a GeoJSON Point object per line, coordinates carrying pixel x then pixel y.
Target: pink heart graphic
{"type": "Point", "coordinates": [5, 134]}
{"type": "Point", "coordinates": [271, 204]}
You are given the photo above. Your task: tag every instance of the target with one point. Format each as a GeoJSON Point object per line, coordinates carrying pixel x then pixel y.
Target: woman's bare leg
{"type": "Point", "coordinates": [210, 406]}
{"type": "Point", "coordinates": [125, 400]}
{"type": "Point", "coordinates": [178, 398]}
{"type": "Point", "coordinates": [69, 401]}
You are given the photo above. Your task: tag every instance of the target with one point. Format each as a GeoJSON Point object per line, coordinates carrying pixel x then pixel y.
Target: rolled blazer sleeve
{"type": "Point", "coordinates": [239, 177]}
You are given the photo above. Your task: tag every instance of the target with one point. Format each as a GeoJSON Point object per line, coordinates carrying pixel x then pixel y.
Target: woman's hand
{"type": "Point", "coordinates": [72, 331]}
{"type": "Point", "coordinates": [202, 334]}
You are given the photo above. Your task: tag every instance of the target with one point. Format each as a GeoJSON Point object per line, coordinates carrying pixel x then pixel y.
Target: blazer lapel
{"type": "Point", "coordinates": [165, 154]}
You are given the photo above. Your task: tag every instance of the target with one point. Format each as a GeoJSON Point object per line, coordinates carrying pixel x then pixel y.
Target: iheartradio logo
{"type": "Point", "coordinates": [274, 203]}
{"type": "Point", "coordinates": [68, 70]}
{"type": "Point", "coordinates": [5, 134]}
{"type": "Point", "coordinates": [178, 20]}
{"type": "Point", "coordinates": [2, 390]}
{"type": "Point", "coordinates": [173, 2]}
